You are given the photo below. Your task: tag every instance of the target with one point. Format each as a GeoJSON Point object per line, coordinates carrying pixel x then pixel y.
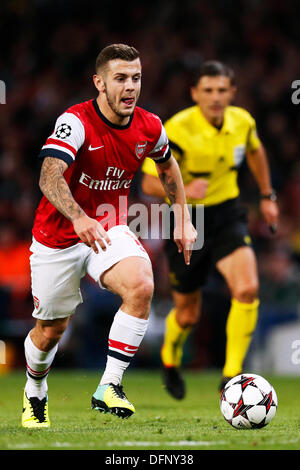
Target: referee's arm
{"type": "Point", "coordinates": [259, 166]}
{"type": "Point", "coordinates": [151, 185]}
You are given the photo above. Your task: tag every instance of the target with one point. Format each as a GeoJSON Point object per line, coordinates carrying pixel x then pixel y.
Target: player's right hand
{"type": "Point", "coordinates": [196, 189]}
{"type": "Point", "coordinates": [91, 231]}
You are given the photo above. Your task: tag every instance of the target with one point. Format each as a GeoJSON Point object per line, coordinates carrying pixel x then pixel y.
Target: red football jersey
{"type": "Point", "coordinates": [102, 158]}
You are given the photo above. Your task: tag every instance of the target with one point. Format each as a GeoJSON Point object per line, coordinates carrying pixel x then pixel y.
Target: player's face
{"type": "Point", "coordinates": [213, 94]}
{"type": "Point", "coordinates": [120, 87]}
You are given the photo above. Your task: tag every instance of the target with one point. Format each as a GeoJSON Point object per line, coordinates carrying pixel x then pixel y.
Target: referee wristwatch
{"type": "Point", "coordinates": [271, 196]}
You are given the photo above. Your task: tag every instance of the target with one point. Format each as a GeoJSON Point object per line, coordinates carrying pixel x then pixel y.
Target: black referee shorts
{"type": "Point", "coordinates": [225, 229]}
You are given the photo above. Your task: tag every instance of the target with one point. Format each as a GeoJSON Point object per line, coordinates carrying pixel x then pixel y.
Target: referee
{"type": "Point", "coordinates": [209, 141]}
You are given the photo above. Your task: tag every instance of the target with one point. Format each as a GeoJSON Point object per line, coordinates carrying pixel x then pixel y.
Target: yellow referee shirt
{"type": "Point", "coordinates": [203, 151]}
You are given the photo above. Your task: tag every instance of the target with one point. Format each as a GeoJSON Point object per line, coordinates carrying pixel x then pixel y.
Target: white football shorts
{"type": "Point", "coordinates": [56, 273]}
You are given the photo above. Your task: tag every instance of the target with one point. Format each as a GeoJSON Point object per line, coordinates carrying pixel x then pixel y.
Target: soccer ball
{"type": "Point", "coordinates": [248, 401]}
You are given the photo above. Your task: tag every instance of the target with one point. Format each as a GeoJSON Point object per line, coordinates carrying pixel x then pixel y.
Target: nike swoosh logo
{"type": "Point", "coordinates": [126, 348]}
{"type": "Point", "coordinates": [95, 148]}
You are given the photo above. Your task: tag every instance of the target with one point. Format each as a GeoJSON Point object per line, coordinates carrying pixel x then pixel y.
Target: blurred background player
{"type": "Point", "coordinates": [210, 141]}
{"type": "Point", "coordinates": [88, 161]}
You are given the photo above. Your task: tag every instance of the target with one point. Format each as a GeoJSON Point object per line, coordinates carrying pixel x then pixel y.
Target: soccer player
{"type": "Point", "coordinates": [209, 141]}
{"type": "Point", "coordinates": [80, 227]}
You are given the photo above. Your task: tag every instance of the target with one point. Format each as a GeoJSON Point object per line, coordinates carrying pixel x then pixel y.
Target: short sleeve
{"type": "Point", "coordinates": [65, 141]}
{"type": "Point", "coordinates": [161, 152]}
{"type": "Point", "coordinates": [253, 142]}
{"type": "Point", "coordinates": [174, 132]}
{"type": "Point", "coordinates": [149, 167]}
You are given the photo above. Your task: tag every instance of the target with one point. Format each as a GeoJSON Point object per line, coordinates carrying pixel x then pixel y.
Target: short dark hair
{"type": "Point", "coordinates": [214, 68]}
{"type": "Point", "coordinates": [116, 51]}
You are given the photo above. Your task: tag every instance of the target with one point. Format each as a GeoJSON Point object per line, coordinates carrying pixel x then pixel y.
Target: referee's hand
{"type": "Point", "coordinates": [270, 212]}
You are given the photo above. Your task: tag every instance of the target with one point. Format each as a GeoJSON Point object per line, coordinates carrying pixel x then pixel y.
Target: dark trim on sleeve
{"type": "Point", "coordinates": [165, 158]}
{"type": "Point", "coordinates": [248, 135]}
{"type": "Point", "coordinates": [199, 174]}
{"type": "Point", "coordinates": [175, 147]}
{"type": "Point", "coordinates": [56, 154]}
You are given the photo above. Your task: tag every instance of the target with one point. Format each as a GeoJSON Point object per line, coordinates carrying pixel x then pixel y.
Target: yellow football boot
{"type": "Point", "coordinates": [35, 413]}
{"type": "Point", "coordinates": [110, 398]}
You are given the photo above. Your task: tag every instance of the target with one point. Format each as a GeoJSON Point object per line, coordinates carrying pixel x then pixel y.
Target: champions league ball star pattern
{"type": "Point", "coordinates": [248, 401]}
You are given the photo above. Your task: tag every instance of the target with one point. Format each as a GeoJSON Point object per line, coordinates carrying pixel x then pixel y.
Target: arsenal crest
{"type": "Point", "coordinates": [140, 148]}
{"type": "Point", "coordinates": [36, 302]}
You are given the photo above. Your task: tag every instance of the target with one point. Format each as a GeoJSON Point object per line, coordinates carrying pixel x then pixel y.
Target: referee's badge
{"type": "Point", "coordinates": [140, 148]}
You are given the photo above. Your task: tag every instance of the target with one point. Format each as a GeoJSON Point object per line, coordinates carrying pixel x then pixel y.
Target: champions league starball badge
{"type": "Point", "coordinates": [63, 131]}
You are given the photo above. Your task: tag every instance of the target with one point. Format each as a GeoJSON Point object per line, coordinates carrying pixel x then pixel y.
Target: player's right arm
{"type": "Point", "coordinates": [55, 188]}
{"type": "Point", "coordinates": [58, 153]}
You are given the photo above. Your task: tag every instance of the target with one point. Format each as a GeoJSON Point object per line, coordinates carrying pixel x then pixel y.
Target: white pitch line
{"type": "Point", "coordinates": [26, 445]}
{"type": "Point", "coordinates": [164, 444]}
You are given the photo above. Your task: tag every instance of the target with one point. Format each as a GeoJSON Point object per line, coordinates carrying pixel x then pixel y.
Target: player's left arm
{"type": "Point", "coordinates": [184, 233]}
{"type": "Point", "coordinates": [259, 166]}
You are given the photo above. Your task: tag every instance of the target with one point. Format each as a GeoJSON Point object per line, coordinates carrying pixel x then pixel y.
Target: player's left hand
{"type": "Point", "coordinates": [185, 237]}
{"type": "Point", "coordinates": [270, 211]}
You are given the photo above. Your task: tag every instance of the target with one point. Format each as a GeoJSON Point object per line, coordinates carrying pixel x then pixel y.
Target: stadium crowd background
{"type": "Point", "coordinates": [48, 49]}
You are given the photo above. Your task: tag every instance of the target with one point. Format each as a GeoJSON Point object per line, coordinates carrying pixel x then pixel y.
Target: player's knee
{"type": "Point", "coordinates": [188, 315]}
{"type": "Point", "coordinates": [143, 290]}
{"type": "Point", "coordinates": [247, 293]}
{"type": "Point", "coordinates": [188, 308]}
{"type": "Point", "coordinates": [139, 295]}
{"type": "Point", "coordinates": [53, 331]}
{"type": "Point", "coordinates": [189, 319]}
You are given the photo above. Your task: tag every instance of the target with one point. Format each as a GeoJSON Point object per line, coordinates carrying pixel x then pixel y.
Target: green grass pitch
{"type": "Point", "coordinates": [160, 422]}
